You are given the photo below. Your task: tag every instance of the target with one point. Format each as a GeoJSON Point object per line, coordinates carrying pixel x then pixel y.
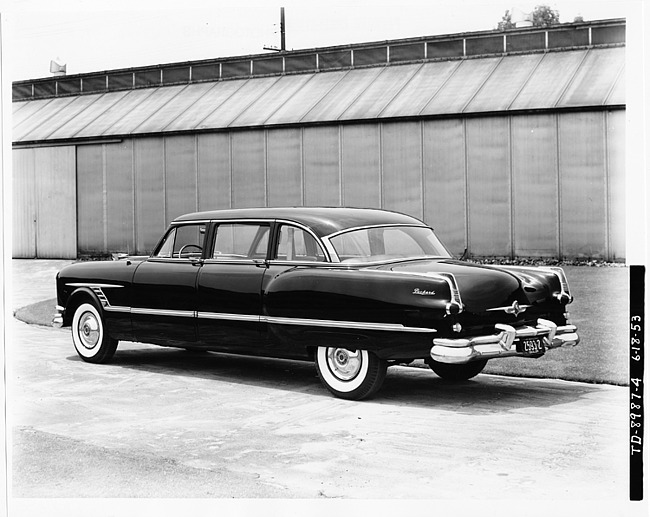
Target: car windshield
{"type": "Point", "coordinates": [387, 243]}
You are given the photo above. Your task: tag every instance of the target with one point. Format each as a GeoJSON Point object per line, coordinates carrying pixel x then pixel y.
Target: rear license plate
{"type": "Point", "coordinates": [530, 346]}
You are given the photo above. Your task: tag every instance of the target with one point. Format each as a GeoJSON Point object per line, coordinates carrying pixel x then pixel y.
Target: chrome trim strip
{"type": "Point", "coordinates": [92, 285]}
{"type": "Point", "coordinates": [117, 308]}
{"type": "Point", "coordinates": [163, 312]}
{"type": "Point", "coordinates": [371, 226]}
{"type": "Point", "coordinates": [307, 322]}
{"type": "Point", "coordinates": [230, 317]}
{"type": "Point", "coordinates": [395, 327]}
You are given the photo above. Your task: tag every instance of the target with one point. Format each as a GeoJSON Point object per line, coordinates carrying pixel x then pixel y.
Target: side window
{"type": "Point", "coordinates": [295, 244]}
{"type": "Point", "coordinates": [183, 242]}
{"type": "Point", "coordinates": [241, 241]}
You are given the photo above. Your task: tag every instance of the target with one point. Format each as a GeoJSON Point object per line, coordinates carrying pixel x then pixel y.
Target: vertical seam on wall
{"type": "Point", "coordinates": [266, 167]}
{"type": "Point", "coordinates": [164, 182]}
{"type": "Point", "coordinates": [104, 197]}
{"type": "Point", "coordinates": [608, 229]}
{"type": "Point", "coordinates": [558, 179]}
{"type": "Point", "coordinates": [135, 197]}
{"type": "Point", "coordinates": [341, 194]}
{"type": "Point", "coordinates": [466, 169]}
{"type": "Point", "coordinates": [302, 166]}
{"type": "Point", "coordinates": [511, 180]}
{"type": "Point", "coordinates": [422, 203]}
{"type": "Point", "coordinates": [381, 165]}
{"type": "Point", "coordinates": [196, 170]}
{"type": "Point", "coordinates": [231, 172]}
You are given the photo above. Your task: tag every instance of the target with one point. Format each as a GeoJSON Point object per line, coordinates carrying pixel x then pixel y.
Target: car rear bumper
{"type": "Point", "coordinates": [502, 344]}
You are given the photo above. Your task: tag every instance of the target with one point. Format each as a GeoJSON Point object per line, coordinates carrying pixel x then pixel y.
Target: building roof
{"type": "Point", "coordinates": [576, 66]}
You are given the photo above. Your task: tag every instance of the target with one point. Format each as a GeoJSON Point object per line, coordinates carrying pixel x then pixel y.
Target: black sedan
{"type": "Point", "coordinates": [354, 290]}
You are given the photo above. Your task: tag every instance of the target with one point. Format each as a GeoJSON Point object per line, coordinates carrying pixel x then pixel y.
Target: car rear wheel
{"type": "Point", "coordinates": [91, 341]}
{"type": "Point", "coordinates": [350, 374]}
{"type": "Point", "coordinates": [457, 372]}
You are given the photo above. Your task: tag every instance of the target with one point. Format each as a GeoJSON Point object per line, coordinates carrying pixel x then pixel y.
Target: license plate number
{"type": "Point", "coordinates": [532, 346]}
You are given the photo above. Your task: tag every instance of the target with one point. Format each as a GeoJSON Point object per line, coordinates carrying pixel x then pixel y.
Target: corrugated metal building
{"type": "Point", "coordinates": [509, 144]}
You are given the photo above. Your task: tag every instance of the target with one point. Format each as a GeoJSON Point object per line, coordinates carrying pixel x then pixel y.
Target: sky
{"type": "Point", "coordinates": [98, 35]}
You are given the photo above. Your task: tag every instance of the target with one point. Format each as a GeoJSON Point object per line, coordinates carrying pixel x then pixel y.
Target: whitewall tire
{"type": "Point", "coordinates": [350, 374]}
{"type": "Point", "coordinates": [91, 341]}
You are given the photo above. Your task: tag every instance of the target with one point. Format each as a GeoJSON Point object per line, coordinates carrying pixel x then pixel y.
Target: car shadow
{"type": "Point", "coordinates": [410, 386]}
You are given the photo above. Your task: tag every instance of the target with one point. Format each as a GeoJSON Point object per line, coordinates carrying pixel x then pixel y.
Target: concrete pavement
{"type": "Point", "coordinates": [167, 423]}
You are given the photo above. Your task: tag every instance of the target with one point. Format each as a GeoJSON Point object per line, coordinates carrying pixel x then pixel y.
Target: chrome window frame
{"type": "Point", "coordinates": [327, 239]}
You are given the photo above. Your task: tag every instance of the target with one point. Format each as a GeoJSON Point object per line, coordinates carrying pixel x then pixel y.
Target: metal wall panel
{"type": "Point", "coordinates": [168, 112]}
{"type": "Point", "coordinates": [594, 79]}
{"type": "Point", "coordinates": [43, 117]}
{"type": "Point", "coordinates": [271, 100]}
{"type": "Point", "coordinates": [582, 183]}
{"type": "Point", "coordinates": [104, 124]}
{"type": "Point", "coordinates": [91, 196]}
{"type": "Point", "coordinates": [193, 116]}
{"type": "Point", "coordinates": [72, 110]}
{"type": "Point", "coordinates": [74, 127]}
{"type": "Point", "coordinates": [149, 155]}
{"type": "Point", "coordinates": [445, 181]}
{"type": "Point", "coordinates": [25, 206]}
{"type": "Point", "coordinates": [360, 165]}
{"type": "Point", "coordinates": [402, 167]}
{"type": "Point", "coordinates": [616, 126]}
{"type": "Point", "coordinates": [234, 105]}
{"type": "Point", "coordinates": [180, 176]}
{"type": "Point", "coordinates": [549, 80]}
{"type": "Point", "coordinates": [463, 84]}
{"type": "Point", "coordinates": [504, 83]}
{"type": "Point", "coordinates": [321, 166]}
{"type": "Point", "coordinates": [214, 174]}
{"type": "Point", "coordinates": [27, 110]}
{"type": "Point", "coordinates": [617, 94]}
{"type": "Point", "coordinates": [306, 98]}
{"type": "Point", "coordinates": [420, 89]}
{"type": "Point", "coordinates": [488, 172]}
{"type": "Point", "coordinates": [248, 169]}
{"type": "Point", "coordinates": [139, 113]}
{"type": "Point", "coordinates": [284, 167]}
{"type": "Point", "coordinates": [341, 96]}
{"type": "Point", "coordinates": [120, 197]}
{"type": "Point", "coordinates": [375, 98]}
{"type": "Point", "coordinates": [535, 188]}
{"type": "Point", "coordinates": [56, 231]}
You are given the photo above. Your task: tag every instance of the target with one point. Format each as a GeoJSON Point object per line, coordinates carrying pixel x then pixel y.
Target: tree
{"type": "Point", "coordinates": [506, 22]}
{"type": "Point", "coordinates": [542, 16]}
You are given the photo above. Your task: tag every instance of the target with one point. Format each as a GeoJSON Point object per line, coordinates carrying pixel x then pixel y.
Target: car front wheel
{"type": "Point", "coordinates": [457, 372]}
{"type": "Point", "coordinates": [350, 374]}
{"type": "Point", "coordinates": [89, 335]}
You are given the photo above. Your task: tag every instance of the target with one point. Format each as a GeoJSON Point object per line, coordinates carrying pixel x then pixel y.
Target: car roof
{"type": "Point", "coordinates": [322, 221]}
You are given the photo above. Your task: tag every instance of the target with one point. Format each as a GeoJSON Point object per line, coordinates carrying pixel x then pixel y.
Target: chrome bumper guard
{"type": "Point", "coordinates": [503, 344]}
{"type": "Point", "coordinates": [57, 321]}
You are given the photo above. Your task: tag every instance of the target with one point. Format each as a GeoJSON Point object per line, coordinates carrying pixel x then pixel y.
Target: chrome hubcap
{"type": "Point", "coordinates": [344, 364]}
{"type": "Point", "coordinates": [88, 330]}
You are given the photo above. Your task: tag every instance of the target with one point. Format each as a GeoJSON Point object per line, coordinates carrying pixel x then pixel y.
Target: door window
{"type": "Point", "coordinates": [295, 244]}
{"type": "Point", "coordinates": [241, 241]}
{"type": "Point", "coordinates": [183, 242]}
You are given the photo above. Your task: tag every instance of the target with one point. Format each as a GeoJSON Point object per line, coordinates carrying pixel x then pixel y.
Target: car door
{"type": "Point", "coordinates": [164, 288]}
{"type": "Point", "coordinates": [230, 286]}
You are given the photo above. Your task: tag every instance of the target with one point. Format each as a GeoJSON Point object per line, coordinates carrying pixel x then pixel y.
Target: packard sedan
{"type": "Point", "coordinates": [354, 290]}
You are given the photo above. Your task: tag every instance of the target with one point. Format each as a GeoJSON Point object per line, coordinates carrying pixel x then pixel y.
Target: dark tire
{"type": "Point", "coordinates": [457, 372]}
{"type": "Point", "coordinates": [350, 374]}
{"type": "Point", "coordinates": [89, 336]}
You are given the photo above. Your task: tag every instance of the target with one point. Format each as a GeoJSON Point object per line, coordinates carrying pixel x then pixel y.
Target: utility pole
{"type": "Point", "coordinates": [283, 45]}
